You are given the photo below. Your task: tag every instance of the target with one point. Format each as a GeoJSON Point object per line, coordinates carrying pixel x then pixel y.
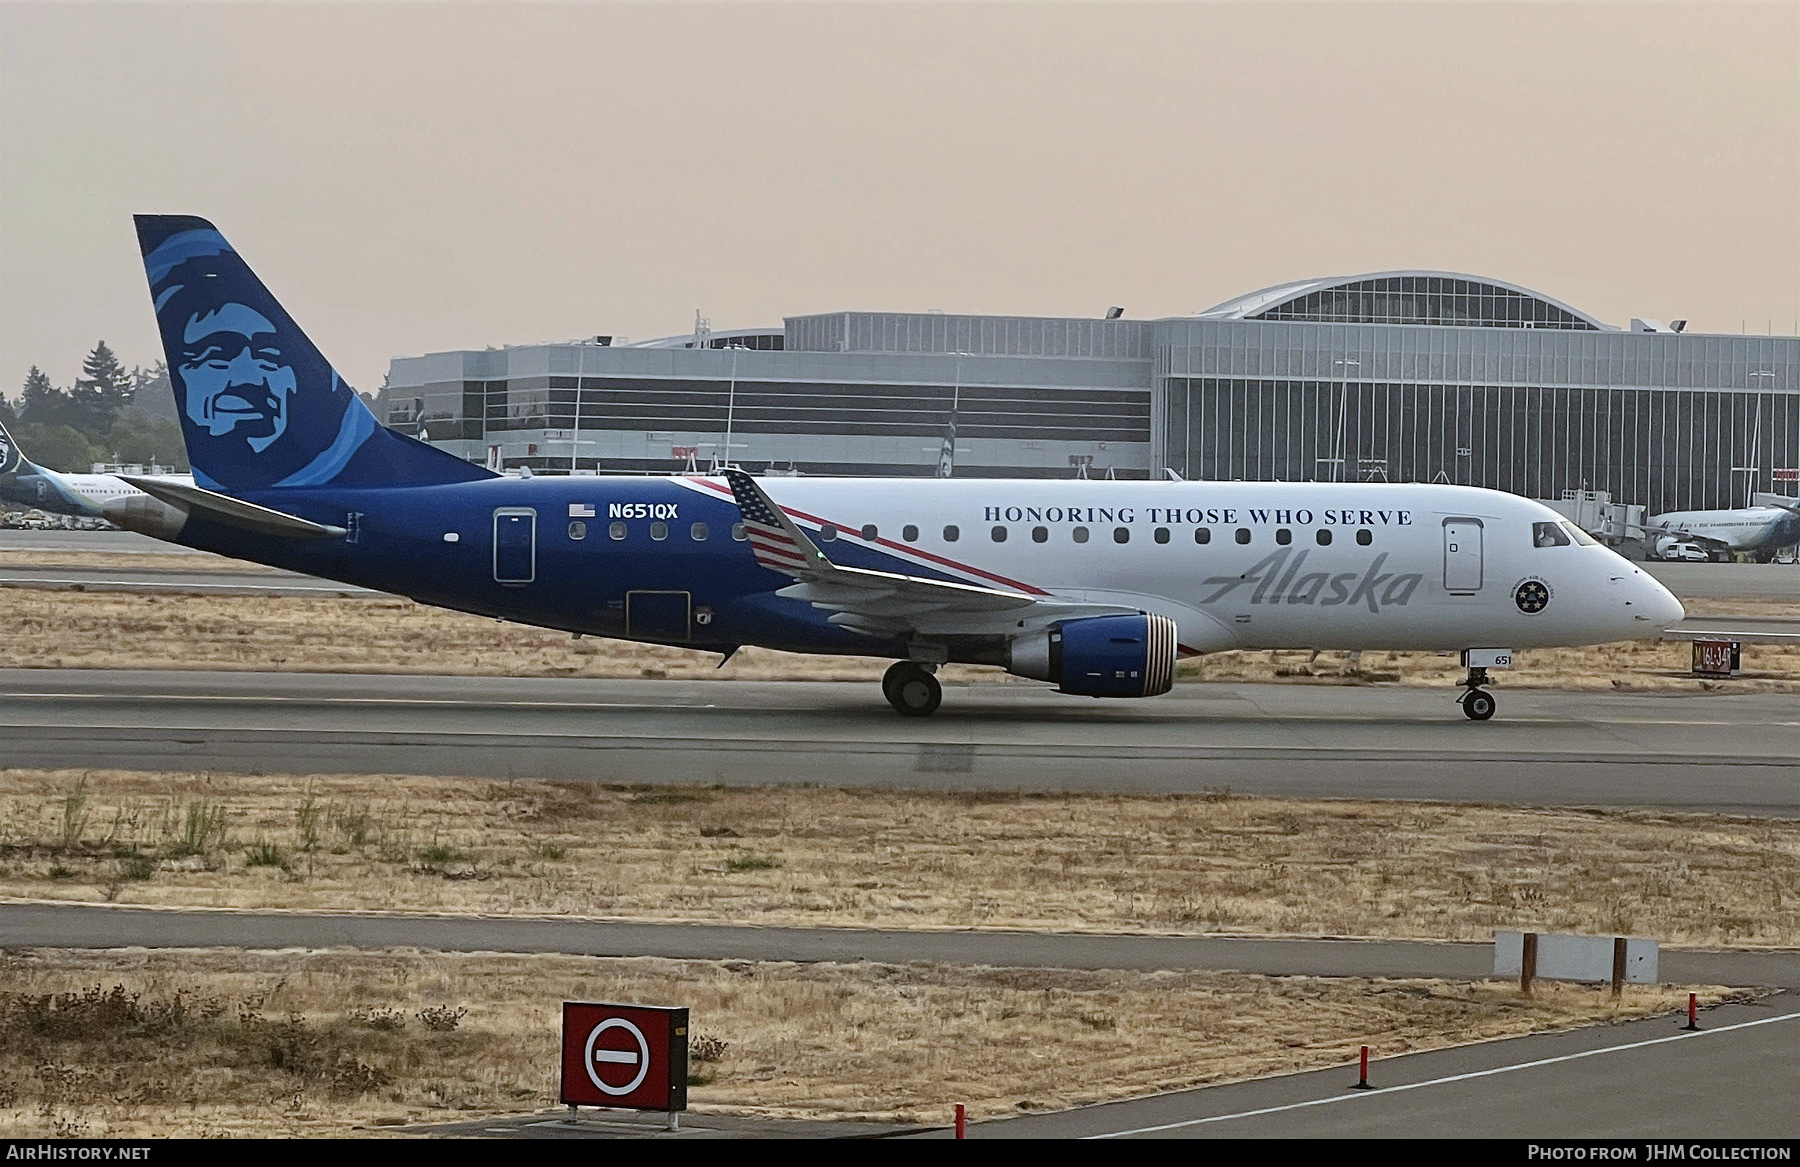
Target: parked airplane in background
{"type": "Point", "coordinates": [23, 483]}
{"type": "Point", "coordinates": [1757, 530]}
{"type": "Point", "coordinates": [1094, 586]}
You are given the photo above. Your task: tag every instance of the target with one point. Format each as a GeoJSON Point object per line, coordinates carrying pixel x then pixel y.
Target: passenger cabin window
{"type": "Point", "coordinates": [1364, 537]}
{"type": "Point", "coordinates": [659, 531]}
{"type": "Point", "coordinates": [1203, 534]}
{"type": "Point", "coordinates": [868, 532]}
{"type": "Point", "coordinates": [698, 532]}
{"type": "Point", "coordinates": [1283, 536]}
{"type": "Point", "coordinates": [1548, 535]}
{"type": "Point", "coordinates": [909, 533]}
{"type": "Point", "coordinates": [738, 533]}
{"type": "Point", "coordinates": [951, 534]}
{"type": "Point", "coordinates": [1162, 534]}
{"type": "Point", "coordinates": [1243, 534]}
{"type": "Point", "coordinates": [1121, 534]}
{"type": "Point", "coordinates": [998, 534]}
{"type": "Point", "coordinates": [1580, 536]}
{"type": "Point", "coordinates": [617, 531]}
{"type": "Point", "coordinates": [578, 530]}
{"type": "Point", "coordinates": [1322, 537]}
{"type": "Point", "coordinates": [828, 532]}
{"type": "Point", "coordinates": [1040, 534]}
{"type": "Point", "coordinates": [1080, 534]}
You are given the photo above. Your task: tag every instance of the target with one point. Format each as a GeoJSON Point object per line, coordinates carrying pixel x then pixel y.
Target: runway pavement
{"type": "Point", "coordinates": [1738, 753]}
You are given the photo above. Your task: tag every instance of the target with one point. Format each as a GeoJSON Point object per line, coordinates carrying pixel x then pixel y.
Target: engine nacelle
{"type": "Point", "coordinates": [1100, 656]}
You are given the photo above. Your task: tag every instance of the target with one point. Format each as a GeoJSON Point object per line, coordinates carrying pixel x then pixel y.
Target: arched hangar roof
{"type": "Point", "coordinates": [1406, 297]}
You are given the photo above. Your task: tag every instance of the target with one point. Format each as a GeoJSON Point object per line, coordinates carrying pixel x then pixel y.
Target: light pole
{"type": "Point", "coordinates": [948, 449]}
{"type": "Point", "coordinates": [1751, 471]}
{"type": "Point", "coordinates": [730, 404]}
{"type": "Point", "coordinates": [1337, 438]}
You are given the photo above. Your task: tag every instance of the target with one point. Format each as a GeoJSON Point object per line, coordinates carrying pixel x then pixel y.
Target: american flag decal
{"type": "Point", "coordinates": [770, 534]}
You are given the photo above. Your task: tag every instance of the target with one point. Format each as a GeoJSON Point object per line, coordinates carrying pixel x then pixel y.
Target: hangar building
{"type": "Point", "coordinates": [1398, 376]}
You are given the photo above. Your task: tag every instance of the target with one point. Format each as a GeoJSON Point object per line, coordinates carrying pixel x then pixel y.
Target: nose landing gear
{"type": "Point", "coordinates": [1477, 703]}
{"type": "Point", "coordinates": [911, 688]}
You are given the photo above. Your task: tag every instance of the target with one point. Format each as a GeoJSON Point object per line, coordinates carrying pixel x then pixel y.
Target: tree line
{"type": "Point", "coordinates": [110, 414]}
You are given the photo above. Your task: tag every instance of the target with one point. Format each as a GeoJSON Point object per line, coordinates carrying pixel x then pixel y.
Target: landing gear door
{"type": "Point", "coordinates": [1462, 556]}
{"type": "Point", "coordinates": [666, 617]}
{"type": "Point", "coordinates": [515, 545]}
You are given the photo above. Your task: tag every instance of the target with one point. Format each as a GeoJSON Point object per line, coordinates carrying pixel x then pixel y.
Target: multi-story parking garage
{"type": "Point", "coordinates": [1397, 376]}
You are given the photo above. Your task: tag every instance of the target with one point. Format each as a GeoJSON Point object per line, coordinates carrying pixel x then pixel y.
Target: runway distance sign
{"type": "Point", "coordinates": [632, 1057]}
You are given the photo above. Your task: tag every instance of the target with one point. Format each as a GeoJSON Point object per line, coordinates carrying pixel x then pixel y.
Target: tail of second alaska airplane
{"type": "Point", "coordinates": [10, 457]}
{"type": "Point", "coordinates": [260, 406]}
{"type": "Point", "coordinates": [24, 483]}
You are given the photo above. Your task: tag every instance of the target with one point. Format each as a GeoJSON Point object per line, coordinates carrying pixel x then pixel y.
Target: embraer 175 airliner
{"type": "Point", "coordinates": [1094, 586]}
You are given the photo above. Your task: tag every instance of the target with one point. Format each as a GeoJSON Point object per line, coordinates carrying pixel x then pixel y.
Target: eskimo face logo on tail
{"type": "Point", "coordinates": [234, 376]}
{"type": "Point", "coordinates": [260, 405]}
{"type": "Point", "coordinates": [6, 452]}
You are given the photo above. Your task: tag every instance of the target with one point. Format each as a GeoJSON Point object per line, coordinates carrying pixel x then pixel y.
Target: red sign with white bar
{"type": "Point", "coordinates": [628, 1056]}
{"type": "Point", "coordinates": [1787, 474]}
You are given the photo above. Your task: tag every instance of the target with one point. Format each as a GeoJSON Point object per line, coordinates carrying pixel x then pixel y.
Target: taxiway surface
{"type": "Point", "coordinates": [1644, 1080]}
{"type": "Point", "coordinates": [64, 925]}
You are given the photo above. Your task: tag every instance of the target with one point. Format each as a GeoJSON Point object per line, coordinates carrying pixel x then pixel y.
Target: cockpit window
{"type": "Point", "coordinates": [1548, 535]}
{"type": "Point", "coordinates": [1581, 536]}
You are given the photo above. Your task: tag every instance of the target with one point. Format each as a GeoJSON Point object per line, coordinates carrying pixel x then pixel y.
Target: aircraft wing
{"type": "Point", "coordinates": [882, 603]}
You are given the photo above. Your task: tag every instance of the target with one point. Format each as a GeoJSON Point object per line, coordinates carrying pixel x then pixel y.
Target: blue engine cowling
{"type": "Point", "coordinates": [1100, 656]}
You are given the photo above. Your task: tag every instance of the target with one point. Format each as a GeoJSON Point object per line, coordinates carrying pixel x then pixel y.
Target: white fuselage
{"type": "Point", "coordinates": [1742, 529]}
{"type": "Point", "coordinates": [1258, 565]}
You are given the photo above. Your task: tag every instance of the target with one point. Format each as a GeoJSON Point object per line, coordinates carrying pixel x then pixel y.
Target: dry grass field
{"type": "Point", "coordinates": [66, 629]}
{"type": "Point", "coordinates": [1202, 863]}
{"type": "Point", "coordinates": [217, 1043]}
{"type": "Point", "coordinates": [213, 1044]}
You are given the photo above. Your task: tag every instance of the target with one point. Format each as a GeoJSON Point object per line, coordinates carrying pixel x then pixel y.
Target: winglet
{"type": "Point", "coordinates": [778, 544]}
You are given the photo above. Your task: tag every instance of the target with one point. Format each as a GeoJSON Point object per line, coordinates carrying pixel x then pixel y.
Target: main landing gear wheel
{"type": "Point", "coordinates": [1477, 704]}
{"type": "Point", "coordinates": [910, 688]}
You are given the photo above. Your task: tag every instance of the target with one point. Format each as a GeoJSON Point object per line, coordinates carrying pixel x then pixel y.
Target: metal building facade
{"type": "Point", "coordinates": [1398, 376]}
{"type": "Point", "coordinates": [1671, 421]}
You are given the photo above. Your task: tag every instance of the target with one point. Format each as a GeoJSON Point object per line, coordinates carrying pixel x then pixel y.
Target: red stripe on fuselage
{"type": "Point", "coordinates": [950, 563]}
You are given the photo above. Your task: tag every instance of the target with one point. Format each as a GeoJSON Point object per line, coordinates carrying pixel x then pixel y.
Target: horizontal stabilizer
{"type": "Point", "coordinates": [232, 512]}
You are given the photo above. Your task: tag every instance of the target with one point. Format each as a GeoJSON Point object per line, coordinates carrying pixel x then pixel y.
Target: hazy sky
{"type": "Point", "coordinates": [418, 177]}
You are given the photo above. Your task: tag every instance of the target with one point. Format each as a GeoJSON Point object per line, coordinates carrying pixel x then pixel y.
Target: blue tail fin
{"type": "Point", "coordinates": [24, 483]}
{"type": "Point", "coordinates": [10, 457]}
{"type": "Point", "coordinates": [260, 406]}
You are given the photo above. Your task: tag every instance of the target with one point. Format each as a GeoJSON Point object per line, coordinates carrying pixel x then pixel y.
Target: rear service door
{"type": "Point", "coordinates": [515, 545]}
{"type": "Point", "coordinates": [1462, 555]}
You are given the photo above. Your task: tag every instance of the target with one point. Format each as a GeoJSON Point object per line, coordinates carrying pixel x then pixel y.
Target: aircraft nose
{"type": "Point", "coordinates": [1660, 607]}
